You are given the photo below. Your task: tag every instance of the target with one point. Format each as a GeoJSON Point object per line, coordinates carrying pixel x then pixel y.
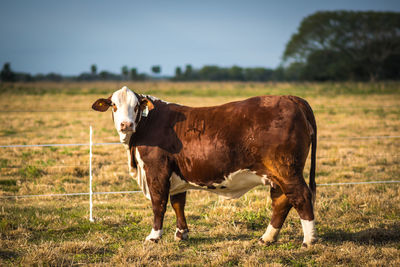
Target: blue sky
{"type": "Point", "coordinates": [67, 37]}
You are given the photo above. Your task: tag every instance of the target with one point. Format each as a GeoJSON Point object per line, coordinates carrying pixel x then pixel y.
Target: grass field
{"type": "Point", "coordinates": [357, 225]}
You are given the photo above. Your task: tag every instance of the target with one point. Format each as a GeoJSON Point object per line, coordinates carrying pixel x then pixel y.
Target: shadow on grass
{"type": "Point", "coordinates": [8, 254]}
{"type": "Point", "coordinates": [195, 240]}
{"type": "Point", "coordinates": [383, 235]}
{"type": "Point", "coordinates": [125, 230]}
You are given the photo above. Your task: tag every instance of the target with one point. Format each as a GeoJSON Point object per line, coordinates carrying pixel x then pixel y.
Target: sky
{"type": "Point", "coordinates": [67, 37]}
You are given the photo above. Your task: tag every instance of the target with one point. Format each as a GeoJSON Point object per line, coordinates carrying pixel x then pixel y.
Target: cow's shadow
{"type": "Point", "coordinates": [8, 254]}
{"type": "Point", "coordinates": [385, 234]}
{"type": "Point", "coordinates": [377, 235]}
{"type": "Point", "coordinates": [196, 239]}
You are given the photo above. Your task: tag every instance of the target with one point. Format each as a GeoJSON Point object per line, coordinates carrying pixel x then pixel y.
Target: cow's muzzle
{"type": "Point", "coordinates": [126, 127]}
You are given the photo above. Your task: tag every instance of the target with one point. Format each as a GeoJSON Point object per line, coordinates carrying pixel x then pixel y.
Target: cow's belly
{"type": "Point", "coordinates": [234, 186]}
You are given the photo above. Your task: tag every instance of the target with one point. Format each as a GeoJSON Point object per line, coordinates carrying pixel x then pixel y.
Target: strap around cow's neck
{"type": "Point", "coordinates": [139, 120]}
{"type": "Point", "coordinates": [140, 113]}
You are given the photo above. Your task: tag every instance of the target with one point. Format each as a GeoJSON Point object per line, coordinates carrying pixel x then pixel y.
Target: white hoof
{"type": "Point", "coordinates": [270, 235]}
{"type": "Point", "coordinates": [181, 234]}
{"type": "Point", "coordinates": [309, 233]}
{"type": "Point", "coordinates": [154, 236]}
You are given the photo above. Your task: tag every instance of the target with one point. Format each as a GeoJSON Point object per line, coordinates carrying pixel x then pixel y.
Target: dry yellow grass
{"type": "Point", "coordinates": [357, 225]}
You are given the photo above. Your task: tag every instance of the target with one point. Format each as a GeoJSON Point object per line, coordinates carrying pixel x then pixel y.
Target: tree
{"type": "Point", "coordinates": [23, 77]}
{"type": "Point", "coordinates": [236, 74]}
{"type": "Point", "coordinates": [178, 72]}
{"type": "Point", "coordinates": [323, 65]}
{"type": "Point", "coordinates": [210, 73]}
{"type": "Point", "coordinates": [93, 69]}
{"type": "Point", "coordinates": [188, 71]}
{"type": "Point", "coordinates": [294, 71]}
{"type": "Point", "coordinates": [258, 74]}
{"type": "Point", "coordinates": [125, 72]}
{"type": "Point", "coordinates": [278, 74]}
{"type": "Point", "coordinates": [7, 75]}
{"type": "Point", "coordinates": [216, 73]}
{"type": "Point", "coordinates": [156, 69]}
{"type": "Point", "coordinates": [134, 74]}
{"type": "Point", "coordinates": [362, 42]}
{"type": "Point", "coordinates": [54, 77]}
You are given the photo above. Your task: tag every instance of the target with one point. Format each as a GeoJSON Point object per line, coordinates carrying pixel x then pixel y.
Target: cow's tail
{"type": "Point", "coordinates": [313, 133]}
{"type": "Point", "coordinates": [312, 184]}
{"type": "Point", "coordinates": [312, 129]}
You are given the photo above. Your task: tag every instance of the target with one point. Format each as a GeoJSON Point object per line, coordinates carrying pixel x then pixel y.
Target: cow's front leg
{"type": "Point", "coordinates": [159, 200]}
{"type": "Point", "coordinates": [178, 204]}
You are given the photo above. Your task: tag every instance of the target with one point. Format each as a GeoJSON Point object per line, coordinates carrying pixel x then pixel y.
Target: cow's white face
{"type": "Point", "coordinates": [126, 109]}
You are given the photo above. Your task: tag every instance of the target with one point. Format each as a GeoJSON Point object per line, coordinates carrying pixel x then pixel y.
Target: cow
{"type": "Point", "coordinates": [226, 149]}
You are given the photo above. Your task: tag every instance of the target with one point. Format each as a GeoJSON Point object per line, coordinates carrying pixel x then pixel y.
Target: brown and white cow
{"type": "Point", "coordinates": [226, 149]}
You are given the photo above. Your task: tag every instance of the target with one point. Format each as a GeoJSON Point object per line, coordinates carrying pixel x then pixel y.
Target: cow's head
{"type": "Point", "coordinates": [127, 108]}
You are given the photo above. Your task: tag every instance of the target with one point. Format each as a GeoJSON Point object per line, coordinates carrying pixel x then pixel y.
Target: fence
{"type": "Point", "coordinates": [91, 193]}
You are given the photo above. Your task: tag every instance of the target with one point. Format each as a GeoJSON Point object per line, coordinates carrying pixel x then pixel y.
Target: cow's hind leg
{"type": "Point", "coordinates": [280, 209]}
{"type": "Point", "coordinates": [300, 197]}
{"type": "Point", "coordinates": [178, 204]}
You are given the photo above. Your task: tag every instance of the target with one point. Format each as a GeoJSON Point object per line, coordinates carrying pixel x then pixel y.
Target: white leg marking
{"type": "Point", "coordinates": [309, 231]}
{"type": "Point", "coordinates": [154, 235]}
{"type": "Point", "coordinates": [141, 177]}
{"type": "Point", "coordinates": [184, 233]}
{"type": "Point", "coordinates": [271, 234]}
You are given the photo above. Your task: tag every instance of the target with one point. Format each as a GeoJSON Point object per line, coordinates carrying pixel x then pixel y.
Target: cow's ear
{"type": "Point", "coordinates": [144, 102]}
{"type": "Point", "coordinates": [101, 104]}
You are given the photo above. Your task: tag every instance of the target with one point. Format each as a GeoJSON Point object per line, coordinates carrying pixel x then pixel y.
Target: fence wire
{"type": "Point", "coordinates": [117, 143]}
{"type": "Point", "coordinates": [133, 192]}
{"type": "Point", "coordinates": [129, 192]}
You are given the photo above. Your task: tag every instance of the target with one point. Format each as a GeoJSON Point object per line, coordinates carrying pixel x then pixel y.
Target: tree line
{"type": "Point", "coordinates": [7, 74]}
{"type": "Point", "coordinates": [206, 73]}
{"type": "Point", "coordinates": [328, 46]}
{"type": "Point", "coordinates": [215, 73]}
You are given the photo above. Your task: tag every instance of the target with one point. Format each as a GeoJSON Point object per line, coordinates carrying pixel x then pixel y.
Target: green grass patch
{"type": "Point", "coordinates": [8, 182]}
{"type": "Point", "coordinates": [298, 261]}
{"type": "Point", "coordinates": [40, 122]}
{"type": "Point", "coordinates": [109, 131]}
{"type": "Point", "coordinates": [7, 132]}
{"type": "Point", "coordinates": [67, 151]}
{"type": "Point", "coordinates": [73, 180]}
{"type": "Point", "coordinates": [323, 173]}
{"type": "Point", "coordinates": [253, 219]}
{"type": "Point", "coordinates": [27, 156]}
{"type": "Point", "coordinates": [31, 172]}
{"type": "Point", "coordinates": [9, 185]}
{"type": "Point", "coordinates": [3, 163]}
{"type": "Point", "coordinates": [46, 163]}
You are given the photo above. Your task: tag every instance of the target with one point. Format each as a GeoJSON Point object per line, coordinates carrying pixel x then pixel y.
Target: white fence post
{"type": "Point", "coordinates": [90, 177]}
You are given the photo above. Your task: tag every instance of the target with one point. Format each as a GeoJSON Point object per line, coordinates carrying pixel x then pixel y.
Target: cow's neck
{"type": "Point", "coordinates": [157, 129]}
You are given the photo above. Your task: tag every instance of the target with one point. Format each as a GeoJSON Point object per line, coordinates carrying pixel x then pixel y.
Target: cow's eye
{"type": "Point", "coordinates": [114, 107]}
